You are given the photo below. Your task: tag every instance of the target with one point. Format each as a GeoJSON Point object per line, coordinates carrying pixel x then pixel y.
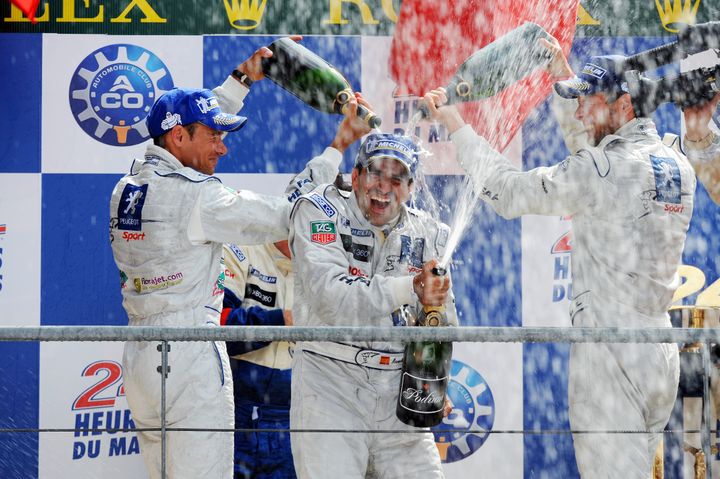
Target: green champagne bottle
{"type": "Point", "coordinates": [497, 65]}
{"type": "Point", "coordinates": [311, 79]}
{"type": "Point", "coordinates": [425, 373]}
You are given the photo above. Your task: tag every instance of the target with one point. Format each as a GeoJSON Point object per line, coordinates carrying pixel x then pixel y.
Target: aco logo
{"type": "Point", "coordinates": [457, 437]}
{"type": "Point", "coordinates": [112, 90]}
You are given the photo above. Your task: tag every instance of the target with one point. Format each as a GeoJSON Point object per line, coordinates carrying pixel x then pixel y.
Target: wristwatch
{"type": "Point", "coordinates": [244, 79]}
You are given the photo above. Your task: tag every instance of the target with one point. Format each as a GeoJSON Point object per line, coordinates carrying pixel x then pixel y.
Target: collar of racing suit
{"type": "Point", "coordinates": [635, 128]}
{"type": "Point", "coordinates": [159, 157]}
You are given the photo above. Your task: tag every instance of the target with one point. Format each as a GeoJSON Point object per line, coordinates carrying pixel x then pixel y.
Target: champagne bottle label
{"type": "Point", "coordinates": [422, 395]}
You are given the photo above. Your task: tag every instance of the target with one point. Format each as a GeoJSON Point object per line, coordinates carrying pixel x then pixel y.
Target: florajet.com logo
{"type": "Point", "coordinates": [112, 90]}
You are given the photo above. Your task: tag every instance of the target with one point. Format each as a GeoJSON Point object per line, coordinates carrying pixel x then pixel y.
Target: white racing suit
{"type": "Point", "coordinates": [350, 273]}
{"type": "Point", "coordinates": [167, 227]}
{"type": "Point", "coordinates": [258, 287]}
{"type": "Point", "coordinates": [631, 199]}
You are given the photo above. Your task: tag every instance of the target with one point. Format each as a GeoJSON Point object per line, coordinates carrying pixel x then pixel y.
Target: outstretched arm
{"type": "Point", "coordinates": [702, 146]}
{"type": "Point", "coordinates": [323, 169]}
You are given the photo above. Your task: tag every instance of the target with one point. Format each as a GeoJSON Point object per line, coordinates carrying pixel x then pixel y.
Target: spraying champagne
{"type": "Point", "coordinates": [497, 65]}
{"type": "Point", "coordinates": [311, 79]}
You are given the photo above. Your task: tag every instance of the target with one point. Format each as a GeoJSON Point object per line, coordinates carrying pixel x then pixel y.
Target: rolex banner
{"type": "Point", "coordinates": [77, 86]}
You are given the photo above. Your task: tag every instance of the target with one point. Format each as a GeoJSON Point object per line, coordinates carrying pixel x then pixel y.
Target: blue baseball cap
{"type": "Point", "coordinates": [182, 106]}
{"type": "Point", "coordinates": [387, 145]}
{"type": "Point", "coordinates": [603, 74]}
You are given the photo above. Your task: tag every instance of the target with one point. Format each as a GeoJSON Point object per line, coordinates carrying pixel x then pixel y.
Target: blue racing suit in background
{"type": "Point", "coordinates": [258, 286]}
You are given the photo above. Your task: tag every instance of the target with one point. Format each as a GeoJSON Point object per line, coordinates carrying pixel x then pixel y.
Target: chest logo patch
{"type": "Point", "coordinates": [322, 232]}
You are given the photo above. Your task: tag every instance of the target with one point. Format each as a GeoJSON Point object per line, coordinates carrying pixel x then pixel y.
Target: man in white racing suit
{"type": "Point", "coordinates": [169, 220]}
{"type": "Point", "coordinates": [362, 259]}
{"type": "Point", "coordinates": [631, 200]}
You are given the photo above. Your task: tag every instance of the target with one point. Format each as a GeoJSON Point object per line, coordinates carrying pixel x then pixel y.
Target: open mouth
{"type": "Point", "coordinates": [379, 203]}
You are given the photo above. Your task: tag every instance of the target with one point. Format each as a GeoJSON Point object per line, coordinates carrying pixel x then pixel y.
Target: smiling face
{"type": "Point", "coordinates": [381, 189]}
{"type": "Point", "coordinates": [198, 147]}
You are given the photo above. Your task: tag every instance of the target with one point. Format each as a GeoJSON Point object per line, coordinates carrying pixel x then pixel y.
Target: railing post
{"type": "Point", "coordinates": [705, 436]}
{"type": "Point", "coordinates": [164, 370]}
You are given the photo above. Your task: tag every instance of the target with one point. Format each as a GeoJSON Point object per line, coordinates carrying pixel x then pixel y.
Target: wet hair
{"type": "Point", "coordinates": [341, 184]}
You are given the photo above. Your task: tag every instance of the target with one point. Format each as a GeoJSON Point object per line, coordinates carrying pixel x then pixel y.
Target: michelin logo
{"type": "Point", "coordinates": [171, 119]}
{"type": "Point", "coordinates": [112, 90]}
{"type": "Point", "coordinates": [389, 145]}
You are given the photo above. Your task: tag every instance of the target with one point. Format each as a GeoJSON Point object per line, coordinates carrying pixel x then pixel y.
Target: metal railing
{"type": "Point", "coordinates": [164, 335]}
{"type": "Point", "coordinates": [338, 333]}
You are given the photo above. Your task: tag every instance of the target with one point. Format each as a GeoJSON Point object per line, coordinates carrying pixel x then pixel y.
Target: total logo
{"type": "Point", "coordinates": [112, 90]}
{"type": "Point", "coordinates": [473, 410]}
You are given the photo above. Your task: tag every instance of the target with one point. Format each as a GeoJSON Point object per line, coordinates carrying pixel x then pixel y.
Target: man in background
{"type": "Point", "coordinates": [631, 199]}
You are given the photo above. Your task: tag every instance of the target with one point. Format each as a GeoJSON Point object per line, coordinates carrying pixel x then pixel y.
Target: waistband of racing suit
{"type": "Point", "coordinates": [367, 358]}
{"type": "Point", "coordinates": [266, 412]}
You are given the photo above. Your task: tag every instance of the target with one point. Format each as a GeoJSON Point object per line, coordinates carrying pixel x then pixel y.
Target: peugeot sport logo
{"type": "Point", "coordinates": [112, 90]}
{"type": "Point", "coordinates": [473, 410]}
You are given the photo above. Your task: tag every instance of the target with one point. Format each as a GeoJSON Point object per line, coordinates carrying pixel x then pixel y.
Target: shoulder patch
{"type": "Point", "coordinates": [129, 212]}
{"type": "Point", "coordinates": [322, 203]}
{"type": "Point", "coordinates": [667, 179]}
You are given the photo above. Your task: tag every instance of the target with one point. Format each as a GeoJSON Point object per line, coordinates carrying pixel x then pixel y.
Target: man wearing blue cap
{"type": "Point", "coordinates": [365, 259]}
{"type": "Point", "coordinates": [169, 220]}
{"type": "Point", "coordinates": [631, 200]}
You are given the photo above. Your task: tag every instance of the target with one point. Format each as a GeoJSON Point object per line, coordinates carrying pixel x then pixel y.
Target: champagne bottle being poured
{"type": "Point", "coordinates": [497, 65]}
{"type": "Point", "coordinates": [317, 83]}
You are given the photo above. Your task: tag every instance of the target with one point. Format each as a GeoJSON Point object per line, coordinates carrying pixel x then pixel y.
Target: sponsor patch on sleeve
{"type": "Point", "coordinates": [322, 232]}
{"type": "Point", "coordinates": [323, 204]}
{"type": "Point", "coordinates": [130, 207]}
{"type": "Point", "coordinates": [667, 179]}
